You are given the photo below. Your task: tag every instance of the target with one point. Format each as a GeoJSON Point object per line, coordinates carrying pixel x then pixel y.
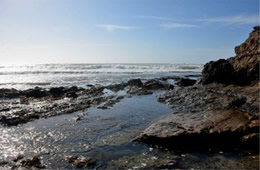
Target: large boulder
{"type": "Point", "coordinates": [211, 129]}
{"type": "Point", "coordinates": [183, 82]}
{"type": "Point", "coordinates": [135, 82]}
{"type": "Point", "coordinates": [243, 69]}
{"type": "Point", "coordinates": [220, 71]}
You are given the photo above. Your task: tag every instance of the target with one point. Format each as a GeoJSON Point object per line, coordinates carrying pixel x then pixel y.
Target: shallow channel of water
{"type": "Point", "coordinates": [106, 135]}
{"type": "Point", "coordinates": [103, 134]}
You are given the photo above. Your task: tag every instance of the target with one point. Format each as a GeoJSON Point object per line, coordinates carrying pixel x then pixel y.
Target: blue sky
{"type": "Point", "coordinates": [123, 31]}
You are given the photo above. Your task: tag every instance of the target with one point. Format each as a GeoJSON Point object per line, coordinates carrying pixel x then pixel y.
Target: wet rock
{"type": "Point", "coordinates": [111, 102]}
{"type": "Point", "coordinates": [117, 87]}
{"type": "Point", "coordinates": [183, 82]}
{"type": "Point", "coordinates": [12, 121]}
{"type": "Point", "coordinates": [135, 82]}
{"type": "Point", "coordinates": [81, 162]}
{"type": "Point", "coordinates": [4, 109]}
{"type": "Point", "coordinates": [36, 93]}
{"type": "Point", "coordinates": [95, 91]}
{"type": "Point", "coordinates": [168, 78]}
{"type": "Point", "coordinates": [213, 115]}
{"type": "Point", "coordinates": [102, 107]}
{"type": "Point", "coordinates": [9, 93]}
{"type": "Point", "coordinates": [71, 159]}
{"type": "Point", "coordinates": [72, 95]}
{"type": "Point", "coordinates": [90, 85]}
{"type": "Point", "coordinates": [57, 91]}
{"type": "Point", "coordinates": [153, 85]}
{"type": "Point", "coordinates": [33, 162]}
{"type": "Point", "coordinates": [168, 86]}
{"type": "Point", "coordinates": [22, 111]}
{"type": "Point", "coordinates": [78, 117]}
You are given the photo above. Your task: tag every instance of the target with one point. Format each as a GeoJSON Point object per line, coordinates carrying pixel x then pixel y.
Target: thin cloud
{"type": "Point", "coordinates": [111, 27]}
{"type": "Point", "coordinates": [239, 19]}
{"type": "Point", "coordinates": [177, 25]}
{"type": "Point", "coordinates": [155, 18]}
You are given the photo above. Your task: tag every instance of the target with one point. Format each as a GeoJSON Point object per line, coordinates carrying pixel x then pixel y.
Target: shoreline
{"type": "Point", "coordinates": [215, 114]}
{"type": "Point", "coordinates": [64, 100]}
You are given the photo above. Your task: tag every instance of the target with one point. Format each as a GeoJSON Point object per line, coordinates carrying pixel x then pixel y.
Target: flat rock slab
{"type": "Point", "coordinates": [214, 128]}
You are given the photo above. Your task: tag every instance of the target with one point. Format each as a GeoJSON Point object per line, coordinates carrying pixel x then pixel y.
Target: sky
{"type": "Point", "coordinates": [123, 31]}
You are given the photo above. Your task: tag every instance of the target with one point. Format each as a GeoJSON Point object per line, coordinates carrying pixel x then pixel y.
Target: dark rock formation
{"type": "Point", "coordinates": [139, 91]}
{"type": "Point", "coordinates": [21, 106]}
{"type": "Point", "coordinates": [117, 87]}
{"type": "Point", "coordinates": [241, 69]}
{"type": "Point", "coordinates": [33, 162]}
{"type": "Point", "coordinates": [153, 85]}
{"type": "Point", "coordinates": [81, 162]}
{"type": "Point", "coordinates": [135, 82]}
{"type": "Point", "coordinates": [210, 116]}
{"type": "Point", "coordinates": [9, 93]}
{"type": "Point", "coordinates": [20, 162]}
{"type": "Point", "coordinates": [217, 113]}
{"type": "Point", "coordinates": [139, 88]}
{"type": "Point", "coordinates": [37, 92]}
{"type": "Point", "coordinates": [220, 71]}
{"type": "Point", "coordinates": [183, 82]}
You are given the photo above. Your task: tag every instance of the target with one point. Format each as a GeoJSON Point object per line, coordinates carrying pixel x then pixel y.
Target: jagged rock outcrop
{"type": "Point", "coordinates": [217, 113]}
{"type": "Point", "coordinates": [243, 69]}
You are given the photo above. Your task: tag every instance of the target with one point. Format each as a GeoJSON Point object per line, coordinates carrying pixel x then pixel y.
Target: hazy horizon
{"type": "Point", "coordinates": [130, 31]}
{"type": "Point", "coordinates": [83, 63]}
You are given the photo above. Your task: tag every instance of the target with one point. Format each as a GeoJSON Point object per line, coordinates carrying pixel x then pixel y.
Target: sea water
{"type": "Point", "coordinates": [106, 135]}
{"type": "Point", "coordinates": [49, 75]}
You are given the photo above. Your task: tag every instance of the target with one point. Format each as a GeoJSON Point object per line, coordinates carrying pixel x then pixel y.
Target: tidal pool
{"type": "Point", "coordinates": [106, 135]}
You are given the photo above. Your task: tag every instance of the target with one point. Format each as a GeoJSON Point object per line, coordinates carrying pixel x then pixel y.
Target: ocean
{"type": "Point", "coordinates": [106, 135]}
{"type": "Point", "coordinates": [52, 75]}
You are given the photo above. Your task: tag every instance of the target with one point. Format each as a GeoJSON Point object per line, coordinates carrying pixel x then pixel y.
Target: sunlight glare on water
{"type": "Point", "coordinates": [48, 75]}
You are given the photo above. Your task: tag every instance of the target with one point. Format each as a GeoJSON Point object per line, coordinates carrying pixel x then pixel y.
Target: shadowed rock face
{"type": "Point", "coordinates": [241, 69]}
{"type": "Point", "coordinates": [220, 71]}
{"type": "Point", "coordinates": [183, 82]}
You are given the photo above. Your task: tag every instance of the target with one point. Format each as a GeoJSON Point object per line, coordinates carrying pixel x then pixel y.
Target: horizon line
{"type": "Point", "coordinates": [65, 63]}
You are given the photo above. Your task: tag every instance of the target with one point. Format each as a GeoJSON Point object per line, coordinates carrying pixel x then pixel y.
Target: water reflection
{"type": "Point", "coordinates": [99, 133]}
{"type": "Point", "coordinates": [106, 136]}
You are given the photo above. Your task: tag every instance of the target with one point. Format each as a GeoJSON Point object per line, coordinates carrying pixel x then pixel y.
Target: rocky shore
{"type": "Point", "coordinates": [19, 107]}
{"type": "Point", "coordinates": [216, 112]}
{"type": "Point", "coordinates": [220, 111]}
